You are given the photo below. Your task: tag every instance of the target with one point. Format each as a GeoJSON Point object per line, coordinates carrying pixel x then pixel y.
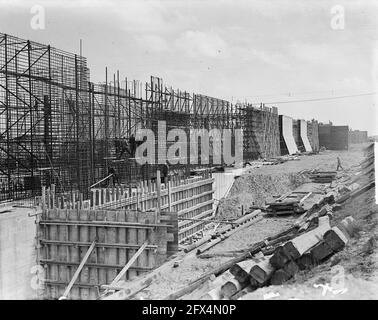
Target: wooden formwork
{"type": "Point", "coordinates": [65, 235]}
{"type": "Point", "coordinates": [189, 197]}
{"type": "Point", "coordinates": [261, 136]}
{"type": "Point", "coordinates": [119, 220]}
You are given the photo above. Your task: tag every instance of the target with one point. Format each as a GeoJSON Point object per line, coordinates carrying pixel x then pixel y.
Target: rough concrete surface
{"type": "Point", "coordinates": [17, 254]}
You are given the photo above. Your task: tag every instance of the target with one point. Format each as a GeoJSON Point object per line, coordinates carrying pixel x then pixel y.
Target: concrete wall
{"type": "Point", "coordinates": [357, 136]}
{"type": "Point", "coordinates": [313, 134]}
{"type": "Point", "coordinates": [297, 137]}
{"type": "Point", "coordinates": [334, 137]}
{"type": "Point", "coordinates": [222, 184]}
{"type": "Point", "coordinates": [287, 142]}
{"type": "Point", "coordinates": [303, 135]}
{"type": "Point", "coordinates": [17, 254]}
{"type": "Point", "coordinates": [325, 135]}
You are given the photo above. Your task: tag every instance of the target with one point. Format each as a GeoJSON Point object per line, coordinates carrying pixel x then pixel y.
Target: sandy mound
{"type": "Point", "coordinates": [256, 189]}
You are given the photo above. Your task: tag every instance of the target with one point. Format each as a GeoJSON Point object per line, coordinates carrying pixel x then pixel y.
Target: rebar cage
{"type": "Point", "coordinates": [57, 127]}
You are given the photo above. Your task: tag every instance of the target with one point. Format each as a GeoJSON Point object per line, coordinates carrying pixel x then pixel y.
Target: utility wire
{"type": "Point", "coordinates": [319, 99]}
{"type": "Point", "coordinates": [289, 94]}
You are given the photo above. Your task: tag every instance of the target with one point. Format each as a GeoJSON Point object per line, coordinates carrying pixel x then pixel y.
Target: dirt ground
{"type": "Point", "coordinates": [353, 271]}
{"type": "Point", "coordinates": [259, 185]}
{"type": "Point", "coordinates": [255, 188]}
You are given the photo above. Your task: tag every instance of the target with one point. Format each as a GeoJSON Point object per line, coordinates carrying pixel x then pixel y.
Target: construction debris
{"type": "Point", "coordinates": [294, 202]}
{"type": "Point", "coordinates": [323, 176]}
{"type": "Point", "coordinates": [300, 252]}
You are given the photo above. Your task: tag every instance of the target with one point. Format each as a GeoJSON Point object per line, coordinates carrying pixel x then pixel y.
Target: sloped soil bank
{"type": "Point", "coordinates": [354, 268]}
{"type": "Point", "coordinates": [256, 189]}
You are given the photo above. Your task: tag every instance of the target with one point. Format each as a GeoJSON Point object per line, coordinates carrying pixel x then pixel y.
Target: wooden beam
{"type": "Point", "coordinates": [129, 263]}
{"type": "Point", "coordinates": [102, 180]}
{"type": "Point", "coordinates": [78, 270]}
{"type": "Point", "coordinates": [103, 223]}
{"type": "Point", "coordinates": [305, 197]}
{"type": "Point", "coordinates": [99, 244]}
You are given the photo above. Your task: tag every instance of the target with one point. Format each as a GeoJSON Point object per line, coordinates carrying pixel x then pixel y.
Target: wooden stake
{"type": "Point", "coordinates": [77, 272]}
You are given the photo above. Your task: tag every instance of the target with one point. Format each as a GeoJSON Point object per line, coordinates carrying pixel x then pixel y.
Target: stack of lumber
{"type": "Point", "coordinates": [289, 203]}
{"type": "Point", "coordinates": [284, 207]}
{"type": "Point", "coordinates": [323, 176]}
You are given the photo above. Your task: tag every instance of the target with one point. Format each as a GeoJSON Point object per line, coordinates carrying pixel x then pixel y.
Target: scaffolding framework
{"type": "Point", "coordinates": [57, 127]}
{"type": "Point", "coordinates": [43, 117]}
{"type": "Point", "coordinates": [260, 131]}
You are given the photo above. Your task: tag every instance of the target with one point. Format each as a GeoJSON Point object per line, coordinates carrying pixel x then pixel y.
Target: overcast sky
{"type": "Point", "coordinates": [259, 51]}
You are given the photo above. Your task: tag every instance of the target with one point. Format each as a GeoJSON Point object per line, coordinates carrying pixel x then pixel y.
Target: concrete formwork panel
{"type": "Point", "coordinates": [287, 136]}
{"type": "Point", "coordinates": [340, 137]}
{"type": "Point", "coordinates": [334, 137]}
{"type": "Point", "coordinates": [313, 134]}
{"type": "Point", "coordinates": [67, 234]}
{"type": "Point", "coordinates": [325, 136]}
{"type": "Point", "coordinates": [297, 137]}
{"type": "Point", "coordinates": [357, 136]}
{"type": "Point", "coordinates": [303, 134]}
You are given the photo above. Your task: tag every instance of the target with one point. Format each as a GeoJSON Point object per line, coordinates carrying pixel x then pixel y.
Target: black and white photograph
{"type": "Point", "coordinates": [213, 152]}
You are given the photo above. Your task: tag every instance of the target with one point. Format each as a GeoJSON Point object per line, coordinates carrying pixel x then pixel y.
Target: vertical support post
{"type": "Point", "coordinates": [47, 130]}
{"type": "Point", "coordinates": [91, 131]}
{"type": "Point", "coordinates": [31, 116]}
{"type": "Point", "coordinates": [118, 106]}
{"type": "Point", "coordinates": [169, 195]}
{"type": "Point", "coordinates": [137, 197]}
{"type": "Point", "coordinates": [129, 108]}
{"type": "Point", "coordinates": [115, 123]}
{"type": "Point", "coordinates": [77, 125]}
{"type": "Point", "coordinates": [47, 108]}
{"type": "Point", "coordinates": [43, 198]}
{"type": "Point", "coordinates": [7, 113]}
{"type": "Point", "coordinates": [106, 118]}
{"type": "Point", "coordinates": [17, 106]}
{"type": "Point", "coordinates": [158, 190]}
